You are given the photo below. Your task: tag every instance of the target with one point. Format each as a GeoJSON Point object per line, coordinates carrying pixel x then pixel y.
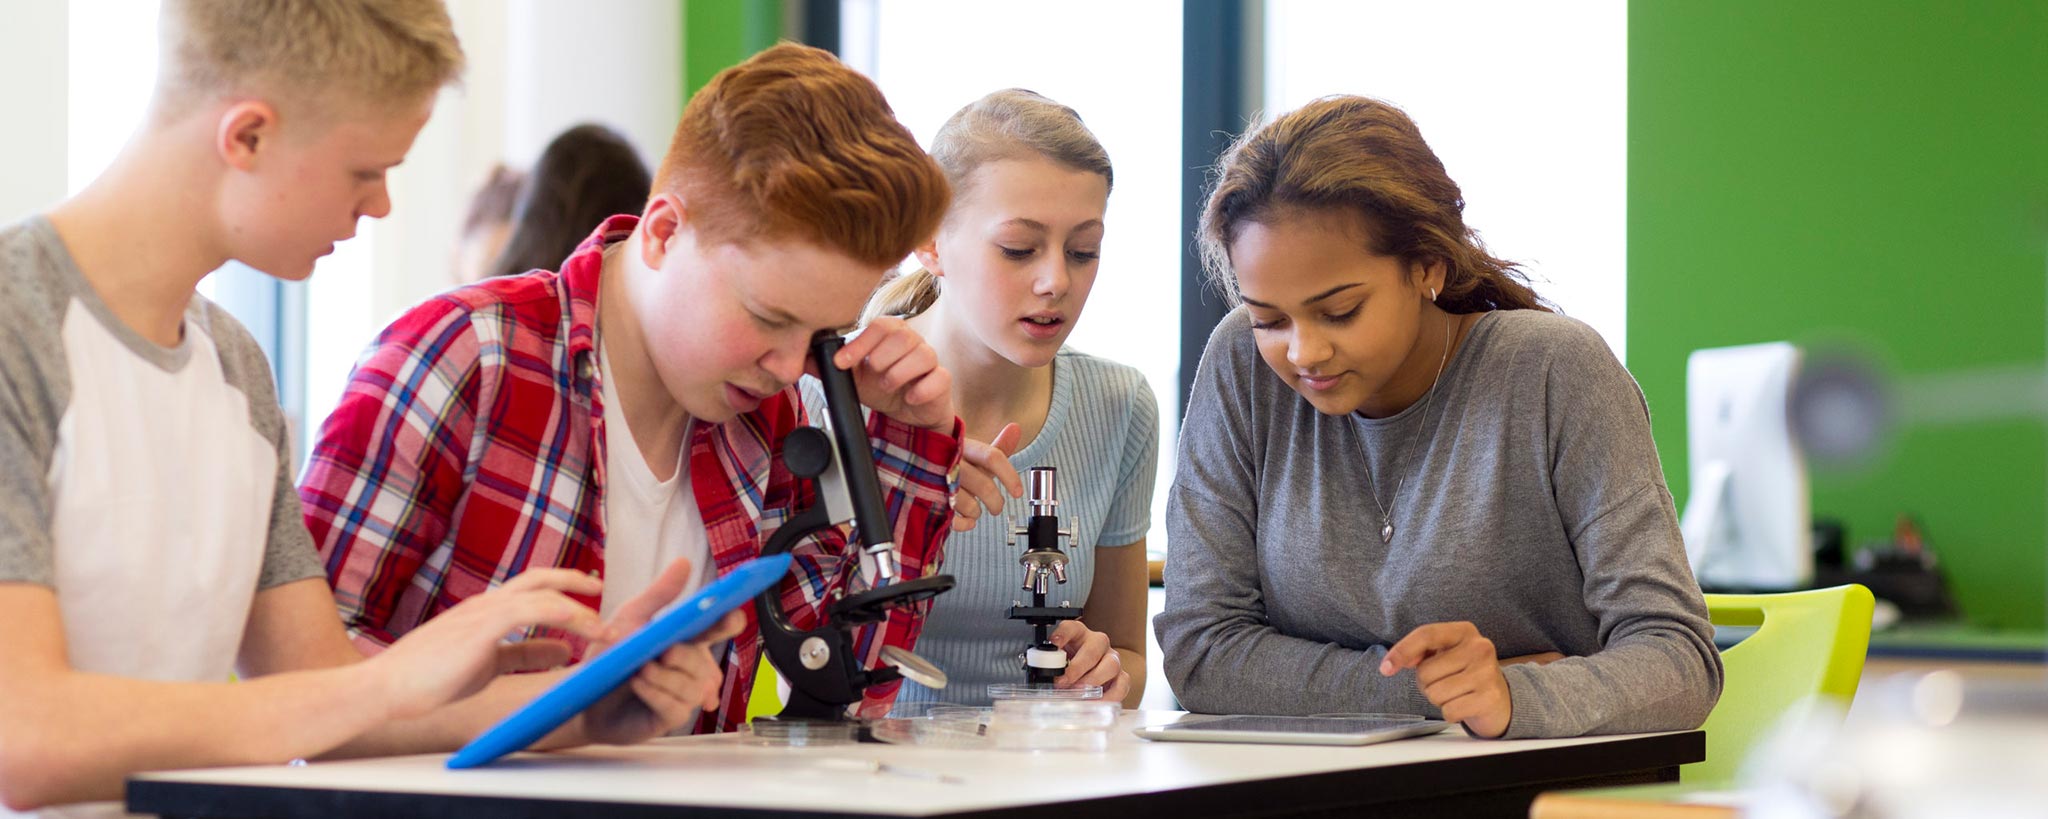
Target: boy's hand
{"type": "Point", "coordinates": [662, 694]}
{"type": "Point", "coordinates": [1459, 673]}
{"type": "Point", "coordinates": [1091, 661]}
{"type": "Point", "coordinates": [898, 374]}
{"type": "Point", "coordinates": [984, 475]}
{"type": "Point", "coordinates": [458, 652]}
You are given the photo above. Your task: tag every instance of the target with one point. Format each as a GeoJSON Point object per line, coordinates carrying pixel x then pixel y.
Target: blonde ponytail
{"type": "Point", "coordinates": [904, 295]}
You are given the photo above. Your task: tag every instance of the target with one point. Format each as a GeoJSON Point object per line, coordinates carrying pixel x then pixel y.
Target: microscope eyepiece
{"type": "Point", "coordinates": [1044, 490]}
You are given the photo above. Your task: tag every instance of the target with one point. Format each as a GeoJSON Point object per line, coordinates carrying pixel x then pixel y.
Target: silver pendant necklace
{"type": "Point", "coordinates": [1386, 518]}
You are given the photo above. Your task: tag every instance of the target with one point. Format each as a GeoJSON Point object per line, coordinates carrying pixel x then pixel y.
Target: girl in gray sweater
{"type": "Point", "coordinates": [1403, 484]}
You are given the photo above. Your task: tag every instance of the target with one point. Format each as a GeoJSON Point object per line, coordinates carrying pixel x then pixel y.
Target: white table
{"type": "Point", "coordinates": [1445, 774]}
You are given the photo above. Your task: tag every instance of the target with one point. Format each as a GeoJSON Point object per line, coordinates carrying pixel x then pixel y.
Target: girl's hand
{"type": "Point", "coordinates": [1091, 661]}
{"type": "Point", "coordinates": [1459, 673]}
{"type": "Point", "coordinates": [985, 475]}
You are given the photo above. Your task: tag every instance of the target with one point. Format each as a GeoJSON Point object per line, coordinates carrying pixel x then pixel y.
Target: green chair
{"type": "Point", "coordinates": [766, 698]}
{"type": "Point", "coordinates": [1806, 643]}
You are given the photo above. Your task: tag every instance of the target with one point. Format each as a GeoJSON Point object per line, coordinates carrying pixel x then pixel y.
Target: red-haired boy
{"type": "Point", "coordinates": [627, 410]}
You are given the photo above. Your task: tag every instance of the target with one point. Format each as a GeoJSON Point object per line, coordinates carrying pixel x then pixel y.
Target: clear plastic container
{"type": "Point", "coordinates": [912, 710]}
{"type": "Point", "coordinates": [1052, 725]}
{"type": "Point", "coordinates": [802, 733]}
{"type": "Point", "coordinates": [960, 713]}
{"type": "Point", "coordinates": [1000, 692]}
{"type": "Point", "coordinates": [944, 726]}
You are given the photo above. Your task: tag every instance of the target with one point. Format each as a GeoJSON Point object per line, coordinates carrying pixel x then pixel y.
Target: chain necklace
{"type": "Point", "coordinates": [1386, 519]}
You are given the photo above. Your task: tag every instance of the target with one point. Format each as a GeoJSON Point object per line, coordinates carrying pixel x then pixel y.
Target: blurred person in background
{"type": "Point", "coordinates": [487, 224]}
{"type": "Point", "coordinates": [586, 174]}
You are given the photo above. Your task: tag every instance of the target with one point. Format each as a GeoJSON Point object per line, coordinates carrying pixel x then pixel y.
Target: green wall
{"type": "Point", "coordinates": [1829, 171]}
{"type": "Point", "coordinates": [719, 34]}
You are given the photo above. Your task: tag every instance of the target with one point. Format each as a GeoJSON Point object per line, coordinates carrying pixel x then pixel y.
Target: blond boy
{"type": "Point", "coordinates": [151, 543]}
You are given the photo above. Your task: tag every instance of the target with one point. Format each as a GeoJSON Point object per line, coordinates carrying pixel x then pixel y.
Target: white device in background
{"type": "Point", "coordinates": [1747, 521]}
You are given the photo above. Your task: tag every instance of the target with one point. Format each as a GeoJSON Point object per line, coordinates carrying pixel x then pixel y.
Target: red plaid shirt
{"type": "Point", "coordinates": [470, 446]}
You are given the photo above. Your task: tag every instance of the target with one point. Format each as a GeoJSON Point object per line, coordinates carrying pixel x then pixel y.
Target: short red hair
{"type": "Point", "coordinates": [793, 144]}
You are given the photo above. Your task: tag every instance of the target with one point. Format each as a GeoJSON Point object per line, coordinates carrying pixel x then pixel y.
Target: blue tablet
{"type": "Point", "coordinates": [606, 672]}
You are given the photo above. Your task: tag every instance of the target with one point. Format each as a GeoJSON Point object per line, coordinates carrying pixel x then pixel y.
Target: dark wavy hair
{"type": "Point", "coordinates": [1367, 157]}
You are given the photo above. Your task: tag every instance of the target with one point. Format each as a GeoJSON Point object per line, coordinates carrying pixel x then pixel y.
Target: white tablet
{"type": "Point", "coordinates": [1295, 730]}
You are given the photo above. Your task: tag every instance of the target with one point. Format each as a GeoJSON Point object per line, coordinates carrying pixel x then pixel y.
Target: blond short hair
{"type": "Point", "coordinates": [316, 53]}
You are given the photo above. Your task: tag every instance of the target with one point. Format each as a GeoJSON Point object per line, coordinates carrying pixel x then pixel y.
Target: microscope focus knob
{"type": "Point", "coordinates": [814, 653]}
{"type": "Point", "coordinates": [1051, 659]}
{"type": "Point", "coordinates": [807, 451]}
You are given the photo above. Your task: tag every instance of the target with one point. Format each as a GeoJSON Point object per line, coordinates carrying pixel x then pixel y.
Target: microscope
{"type": "Point", "coordinates": [823, 670]}
{"type": "Point", "coordinates": [1044, 566]}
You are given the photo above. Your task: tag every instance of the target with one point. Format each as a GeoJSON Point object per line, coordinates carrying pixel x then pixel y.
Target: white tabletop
{"type": "Point", "coordinates": [727, 771]}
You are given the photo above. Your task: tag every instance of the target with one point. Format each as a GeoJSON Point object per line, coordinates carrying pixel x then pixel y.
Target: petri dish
{"type": "Point", "coordinates": [945, 727]}
{"type": "Point", "coordinates": [1041, 691]}
{"type": "Point", "coordinates": [893, 730]}
{"type": "Point", "coordinates": [1055, 714]}
{"type": "Point", "coordinates": [802, 733]}
{"type": "Point", "coordinates": [1052, 725]}
{"type": "Point", "coordinates": [960, 713]}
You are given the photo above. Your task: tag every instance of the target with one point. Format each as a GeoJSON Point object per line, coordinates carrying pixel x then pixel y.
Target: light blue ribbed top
{"type": "Point", "coordinates": [1102, 434]}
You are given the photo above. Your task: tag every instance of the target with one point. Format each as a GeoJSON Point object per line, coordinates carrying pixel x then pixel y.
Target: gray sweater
{"type": "Point", "coordinates": [1534, 507]}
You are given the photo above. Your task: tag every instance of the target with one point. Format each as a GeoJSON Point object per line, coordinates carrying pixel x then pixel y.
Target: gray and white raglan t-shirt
{"type": "Point", "coordinates": [149, 487]}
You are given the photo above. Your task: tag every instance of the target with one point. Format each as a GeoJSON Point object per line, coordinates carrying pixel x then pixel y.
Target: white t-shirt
{"type": "Point", "coordinates": [147, 487]}
{"type": "Point", "coordinates": [648, 523]}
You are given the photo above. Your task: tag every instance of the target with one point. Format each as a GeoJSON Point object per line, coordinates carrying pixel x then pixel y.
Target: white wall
{"type": "Point", "coordinates": [535, 68]}
{"type": "Point", "coordinates": [1525, 103]}
{"type": "Point", "coordinates": [616, 63]}
{"type": "Point", "coordinates": [933, 56]}
{"type": "Point", "coordinates": [32, 152]}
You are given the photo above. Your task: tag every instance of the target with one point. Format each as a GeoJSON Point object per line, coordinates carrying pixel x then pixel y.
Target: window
{"type": "Point", "coordinates": [112, 69]}
{"type": "Point", "coordinates": [111, 55]}
{"type": "Point", "coordinates": [931, 57]}
{"type": "Point", "coordinates": [1525, 103]}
